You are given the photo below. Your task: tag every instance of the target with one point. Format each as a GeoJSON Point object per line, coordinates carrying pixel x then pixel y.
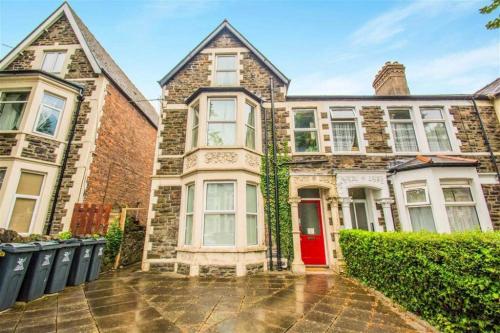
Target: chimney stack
{"type": "Point", "coordinates": [391, 80]}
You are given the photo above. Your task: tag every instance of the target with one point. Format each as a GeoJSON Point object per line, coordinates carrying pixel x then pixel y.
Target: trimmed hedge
{"type": "Point", "coordinates": [452, 281]}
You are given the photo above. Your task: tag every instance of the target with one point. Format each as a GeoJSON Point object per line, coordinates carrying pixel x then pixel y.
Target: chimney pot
{"type": "Point", "coordinates": [391, 80]}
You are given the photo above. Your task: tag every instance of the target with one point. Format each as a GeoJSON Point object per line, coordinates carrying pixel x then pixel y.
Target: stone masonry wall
{"type": "Point", "coordinates": [217, 271]}
{"type": "Point", "coordinates": [174, 132]}
{"type": "Point", "coordinates": [123, 158]}
{"type": "Point", "coordinates": [7, 143]}
{"type": "Point", "coordinates": [492, 195]}
{"type": "Point", "coordinates": [41, 148]}
{"type": "Point", "coordinates": [375, 127]}
{"type": "Point", "coordinates": [60, 32]}
{"type": "Point", "coordinates": [23, 61]}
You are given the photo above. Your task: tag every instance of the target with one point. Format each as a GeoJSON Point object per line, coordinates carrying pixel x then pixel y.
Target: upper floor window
{"type": "Point", "coordinates": [226, 72]}
{"type": "Point", "coordinates": [460, 208]}
{"type": "Point", "coordinates": [403, 130]}
{"type": "Point", "coordinates": [49, 114]}
{"type": "Point", "coordinates": [305, 131]}
{"type": "Point", "coordinates": [344, 130]}
{"type": "Point", "coordinates": [435, 129]}
{"type": "Point", "coordinates": [419, 208]}
{"type": "Point", "coordinates": [12, 106]}
{"type": "Point", "coordinates": [249, 126]}
{"type": "Point", "coordinates": [221, 128]}
{"type": "Point", "coordinates": [53, 61]}
{"type": "Point", "coordinates": [220, 213]}
{"type": "Point", "coordinates": [26, 201]}
{"type": "Point", "coordinates": [194, 126]}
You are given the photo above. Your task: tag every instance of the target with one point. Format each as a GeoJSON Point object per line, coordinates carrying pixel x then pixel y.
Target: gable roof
{"type": "Point", "coordinates": [224, 25]}
{"type": "Point", "coordinates": [433, 161]}
{"type": "Point", "coordinates": [492, 88]}
{"type": "Point", "coordinates": [99, 59]}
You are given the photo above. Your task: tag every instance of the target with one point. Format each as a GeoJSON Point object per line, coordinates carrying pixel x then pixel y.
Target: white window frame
{"type": "Point", "coordinates": [247, 126]}
{"type": "Point", "coordinates": [315, 129]}
{"type": "Point", "coordinates": [59, 53]}
{"type": "Point", "coordinates": [217, 212]}
{"type": "Point", "coordinates": [2, 178]}
{"type": "Point", "coordinates": [472, 203]}
{"type": "Point", "coordinates": [40, 109]}
{"type": "Point", "coordinates": [234, 121]}
{"type": "Point", "coordinates": [195, 109]}
{"type": "Point", "coordinates": [440, 120]}
{"type": "Point", "coordinates": [235, 71]}
{"type": "Point", "coordinates": [354, 119]}
{"type": "Point", "coordinates": [16, 102]}
{"type": "Point", "coordinates": [402, 121]}
{"type": "Point", "coordinates": [29, 197]}
{"type": "Point", "coordinates": [189, 213]}
{"type": "Point", "coordinates": [426, 203]}
{"type": "Point", "coordinates": [256, 214]}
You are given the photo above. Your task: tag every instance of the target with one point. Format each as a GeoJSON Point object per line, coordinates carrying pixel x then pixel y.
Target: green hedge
{"type": "Point", "coordinates": [452, 281]}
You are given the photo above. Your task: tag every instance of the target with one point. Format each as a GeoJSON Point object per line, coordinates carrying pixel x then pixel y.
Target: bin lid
{"type": "Point", "coordinates": [47, 245]}
{"type": "Point", "coordinates": [101, 240]}
{"type": "Point", "coordinates": [87, 241]}
{"type": "Point", "coordinates": [18, 247]}
{"type": "Point", "coordinates": [73, 242]}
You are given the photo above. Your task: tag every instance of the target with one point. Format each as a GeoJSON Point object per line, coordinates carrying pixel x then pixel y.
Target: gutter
{"type": "Point", "coordinates": [50, 221]}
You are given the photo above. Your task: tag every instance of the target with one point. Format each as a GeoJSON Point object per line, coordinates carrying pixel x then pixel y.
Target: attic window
{"type": "Point", "coordinates": [226, 70]}
{"type": "Point", "coordinates": [53, 61]}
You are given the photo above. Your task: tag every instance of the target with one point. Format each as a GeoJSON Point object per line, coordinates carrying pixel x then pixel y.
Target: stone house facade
{"type": "Point", "coordinates": [383, 162]}
{"type": "Point", "coordinates": [71, 124]}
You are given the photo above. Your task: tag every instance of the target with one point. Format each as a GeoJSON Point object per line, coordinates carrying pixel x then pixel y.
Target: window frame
{"type": "Point", "coordinates": [442, 120]}
{"type": "Point", "coordinates": [254, 127]}
{"type": "Point", "coordinates": [411, 121]}
{"type": "Point", "coordinates": [315, 130]}
{"type": "Point", "coordinates": [235, 70]}
{"type": "Point", "coordinates": [422, 204]}
{"type": "Point", "coordinates": [256, 214]}
{"type": "Point", "coordinates": [195, 112]}
{"type": "Point", "coordinates": [472, 203]}
{"type": "Point", "coordinates": [25, 90]}
{"type": "Point", "coordinates": [58, 52]}
{"type": "Point", "coordinates": [354, 119]}
{"type": "Point", "coordinates": [28, 197]}
{"type": "Point", "coordinates": [219, 212]}
{"type": "Point", "coordinates": [187, 213]}
{"type": "Point", "coordinates": [234, 121]}
{"type": "Point", "coordinates": [3, 170]}
{"type": "Point", "coordinates": [60, 115]}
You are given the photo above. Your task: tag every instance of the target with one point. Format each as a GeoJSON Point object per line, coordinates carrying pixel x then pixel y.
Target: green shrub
{"type": "Point", "coordinates": [64, 235]}
{"type": "Point", "coordinates": [453, 281]}
{"type": "Point", "coordinates": [114, 238]}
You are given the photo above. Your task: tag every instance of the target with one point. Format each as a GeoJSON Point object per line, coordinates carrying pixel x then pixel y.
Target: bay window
{"type": "Point", "coordinates": [12, 105]}
{"type": "Point", "coordinates": [226, 73]}
{"type": "Point", "coordinates": [419, 208]}
{"type": "Point", "coordinates": [249, 126]}
{"type": "Point", "coordinates": [188, 234]}
{"type": "Point", "coordinates": [435, 129]}
{"type": "Point", "coordinates": [251, 210]}
{"type": "Point", "coordinates": [460, 208]}
{"type": "Point", "coordinates": [49, 114]}
{"type": "Point", "coordinates": [25, 201]}
{"type": "Point", "coordinates": [403, 131]}
{"type": "Point", "coordinates": [53, 61]}
{"type": "Point", "coordinates": [194, 125]}
{"type": "Point", "coordinates": [221, 127]}
{"type": "Point", "coordinates": [219, 214]}
{"type": "Point", "coordinates": [344, 130]}
{"type": "Point", "coordinates": [305, 131]}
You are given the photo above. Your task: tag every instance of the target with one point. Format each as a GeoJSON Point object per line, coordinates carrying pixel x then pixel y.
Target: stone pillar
{"type": "Point", "coordinates": [386, 208]}
{"type": "Point", "coordinates": [346, 212]}
{"type": "Point", "coordinates": [297, 264]}
{"type": "Point", "coordinates": [334, 207]}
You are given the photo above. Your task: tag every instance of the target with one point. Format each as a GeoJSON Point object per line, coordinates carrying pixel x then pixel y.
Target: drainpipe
{"type": "Point", "coordinates": [64, 163]}
{"type": "Point", "coordinates": [486, 140]}
{"type": "Point", "coordinates": [276, 189]}
{"type": "Point", "coordinates": [268, 191]}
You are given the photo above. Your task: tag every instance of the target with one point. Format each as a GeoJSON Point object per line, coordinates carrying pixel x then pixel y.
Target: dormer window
{"type": "Point", "coordinates": [226, 72]}
{"type": "Point", "coordinates": [53, 61]}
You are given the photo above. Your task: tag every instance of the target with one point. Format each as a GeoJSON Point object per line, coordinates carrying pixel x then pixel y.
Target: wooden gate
{"type": "Point", "coordinates": [90, 219]}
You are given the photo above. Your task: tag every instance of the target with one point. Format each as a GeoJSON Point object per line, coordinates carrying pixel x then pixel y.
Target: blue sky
{"type": "Point", "coordinates": [325, 47]}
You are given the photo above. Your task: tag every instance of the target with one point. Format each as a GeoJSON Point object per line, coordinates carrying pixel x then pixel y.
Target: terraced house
{"type": "Point", "coordinates": [72, 125]}
{"type": "Point", "coordinates": [384, 162]}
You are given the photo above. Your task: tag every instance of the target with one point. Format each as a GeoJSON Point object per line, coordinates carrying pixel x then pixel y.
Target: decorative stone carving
{"type": "Point", "coordinates": [221, 157]}
{"type": "Point", "coordinates": [191, 161]}
{"type": "Point", "coordinates": [252, 160]}
{"type": "Point", "coordinates": [348, 180]}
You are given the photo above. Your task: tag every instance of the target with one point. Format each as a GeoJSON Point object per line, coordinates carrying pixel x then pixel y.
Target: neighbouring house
{"type": "Point", "coordinates": [72, 124]}
{"type": "Point", "coordinates": [492, 91]}
{"type": "Point", "coordinates": [383, 162]}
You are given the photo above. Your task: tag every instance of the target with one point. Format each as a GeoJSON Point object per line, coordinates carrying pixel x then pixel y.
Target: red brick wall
{"type": "Point", "coordinates": [123, 159]}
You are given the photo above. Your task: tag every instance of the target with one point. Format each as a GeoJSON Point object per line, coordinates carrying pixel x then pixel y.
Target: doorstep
{"type": "Point", "coordinates": [320, 270]}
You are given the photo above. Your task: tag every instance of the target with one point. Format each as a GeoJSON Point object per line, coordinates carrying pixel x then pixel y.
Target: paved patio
{"type": "Point", "coordinates": [145, 302]}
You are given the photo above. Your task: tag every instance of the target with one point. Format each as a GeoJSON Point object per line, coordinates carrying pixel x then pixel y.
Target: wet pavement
{"type": "Point", "coordinates": [146, 302]}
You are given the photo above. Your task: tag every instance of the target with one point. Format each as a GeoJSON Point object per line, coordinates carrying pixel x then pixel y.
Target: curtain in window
{"type": "Point", "coordinates": [344, 136]}
{"type": "Point", "coordinates": [219, 226]}
{"type": "Point", "coordinates": [251, 207]}
{"type": "Point", "coordinates": [462, 218]}
{"type": "Point", "coordinates": [404, 137]}
{"type": "Point", "coordinates": [437, 137]}
{"type": "Point", "coordinates": [10, 113]}
{"type": "Point", "coordinates": [422, 219]}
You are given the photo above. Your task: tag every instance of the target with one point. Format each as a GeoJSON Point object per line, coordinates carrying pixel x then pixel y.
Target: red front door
{"type": "Point", "coordinates": [312, 243]}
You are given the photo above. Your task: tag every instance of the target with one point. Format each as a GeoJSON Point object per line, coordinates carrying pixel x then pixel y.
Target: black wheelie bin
{"type": "Point", "coordinates": [81, 262]}
{"type": "Point", "coordinates": [62, 264]}
{"type": "Point", "coordinates": [95, 262]}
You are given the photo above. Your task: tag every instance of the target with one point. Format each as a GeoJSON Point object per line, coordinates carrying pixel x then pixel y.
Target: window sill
{"type": "Point", "coordinates": [219, 249]}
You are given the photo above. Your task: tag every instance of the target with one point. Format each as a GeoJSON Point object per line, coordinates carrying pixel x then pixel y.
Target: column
{"type": "Point", "coordinates": [346, 212]}
{"type": "Point", "coordinates": [334, 207]}
{"type": "Point", "coordinates": [297, 264]}
{"type": "Point", "coordinates": [386, 208]}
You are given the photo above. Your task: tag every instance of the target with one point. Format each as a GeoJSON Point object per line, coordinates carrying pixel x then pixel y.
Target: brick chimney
{"type": "Point", "coordinates": [391, 80]}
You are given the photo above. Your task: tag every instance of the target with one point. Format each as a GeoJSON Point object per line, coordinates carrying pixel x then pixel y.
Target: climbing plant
{"type": "Point", "coordinates": [283, 174]}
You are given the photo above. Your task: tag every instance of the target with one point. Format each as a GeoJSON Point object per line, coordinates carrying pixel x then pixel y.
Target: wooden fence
{"type": "Point", "coordinates": [90, 219]}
